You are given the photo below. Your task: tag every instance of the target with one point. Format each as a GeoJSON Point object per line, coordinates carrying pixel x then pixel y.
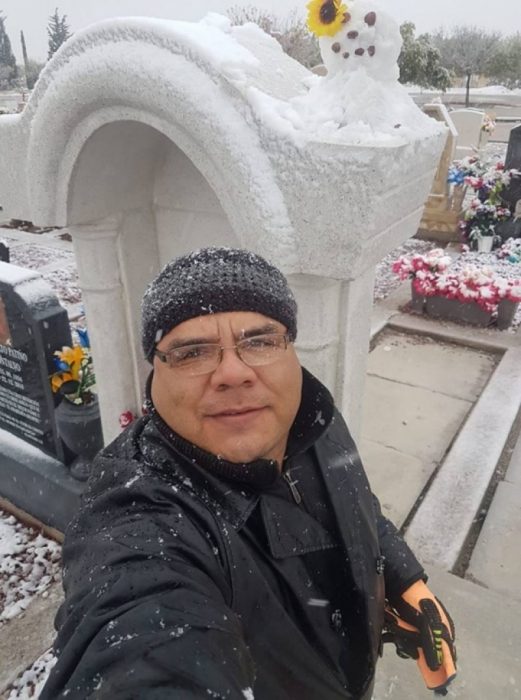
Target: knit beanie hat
{"type": "Point", "coordinates": [211, 281]}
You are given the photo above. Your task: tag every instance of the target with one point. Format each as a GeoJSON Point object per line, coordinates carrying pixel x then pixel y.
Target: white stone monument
{"type": "Point", "coordinates": [444, 207]}
{"type": "Point", "coordinates": [468, 123]}
{"type": "Point", "coordinates": [149, 138]}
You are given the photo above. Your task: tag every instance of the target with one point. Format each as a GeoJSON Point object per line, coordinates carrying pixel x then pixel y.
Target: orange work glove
{"type": "Point", "coordinates": [423, 630]}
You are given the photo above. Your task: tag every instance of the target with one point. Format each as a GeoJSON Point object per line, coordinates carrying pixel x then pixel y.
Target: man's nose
{"type": "Point", "coordinates": [232, 371]}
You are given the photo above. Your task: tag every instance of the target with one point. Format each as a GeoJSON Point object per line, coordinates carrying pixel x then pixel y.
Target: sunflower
{"type": "Point", "coordinates": [326, 17]}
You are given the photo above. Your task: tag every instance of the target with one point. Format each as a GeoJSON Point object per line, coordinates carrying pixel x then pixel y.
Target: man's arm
{"type": "Point", "coordinates": [145, 611]}
{"type": "Point", "coordinates": [416, 620]}
{"type": "Point", "coordinates": [402, 569]}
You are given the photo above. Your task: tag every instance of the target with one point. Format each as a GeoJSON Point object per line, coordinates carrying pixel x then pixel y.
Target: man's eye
{"type": "Point", "coordinates": [261, 341]}
{"type": "Point", "coordinates": [191, 352]}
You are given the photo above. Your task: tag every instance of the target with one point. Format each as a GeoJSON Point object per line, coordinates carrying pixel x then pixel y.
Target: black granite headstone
{"type": "Point", "coordinates": [513, 160]}
{"type": "Point", "coordinates": [32, 326]}
{"type": "Point", "coordinates": [4, 253]}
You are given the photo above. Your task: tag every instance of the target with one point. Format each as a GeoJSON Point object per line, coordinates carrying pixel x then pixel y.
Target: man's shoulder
{"type": "Point", "coordinates": [138, 479]}
{"type": "Point", "coordinates": [133, 464]}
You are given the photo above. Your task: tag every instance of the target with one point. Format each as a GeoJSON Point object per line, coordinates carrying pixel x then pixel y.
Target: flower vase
{"type": "Point", "coordinates": [457, 311]}
{"type": "Point", "coordinates": [506, 310]}
{"type": "Point", "coordinates": [417, 300]}
{"type": "Point", "coordinates": [485, 244]}
{"type": "Point", "coordinates": [79, 426]}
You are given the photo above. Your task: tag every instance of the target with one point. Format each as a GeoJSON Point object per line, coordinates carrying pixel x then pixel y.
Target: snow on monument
{"type": "Point", "coordinates": [148, 138]}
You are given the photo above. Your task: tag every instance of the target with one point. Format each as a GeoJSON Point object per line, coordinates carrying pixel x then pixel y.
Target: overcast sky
{"type": "Point", "coordinates": [32, 15]}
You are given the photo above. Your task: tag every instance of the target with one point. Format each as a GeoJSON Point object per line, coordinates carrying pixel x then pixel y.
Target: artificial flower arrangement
{"type": "Point", "coordinates": [431, 276]}
{"type": "Point", "coordinates": [486, 209]}
{"type": "Point", "coordinates": [75, 376]}
{"type": "Point", "coordinates": [488, 125]}
{"type": "Point", "coordinates": [510, 250]}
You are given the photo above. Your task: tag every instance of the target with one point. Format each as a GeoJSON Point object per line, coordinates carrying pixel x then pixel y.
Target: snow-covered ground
{"type": "Point", "coordinates": [29, 684]}
{"type": "Point", "coordinates": [29, 563]}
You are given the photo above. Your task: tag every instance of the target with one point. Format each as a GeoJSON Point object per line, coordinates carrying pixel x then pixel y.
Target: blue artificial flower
{"type": "Point", "coordinates": [513, 258]}
{"type": "Point", "coordinates": [60, 365]}
{"type": "Point", "coordinates": [83, 336]}
{"type": "Point", "coordinates": [456, 177]}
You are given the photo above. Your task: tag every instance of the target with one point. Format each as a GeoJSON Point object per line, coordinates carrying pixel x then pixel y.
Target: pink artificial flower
{"type": "Point", "coordinates": [514, 292]}
{"type": "Point", "coordinates": [126, 419]}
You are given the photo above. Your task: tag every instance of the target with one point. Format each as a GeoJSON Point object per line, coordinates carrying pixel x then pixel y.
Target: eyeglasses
{"type": "Point", "coordinates": [204, 358]}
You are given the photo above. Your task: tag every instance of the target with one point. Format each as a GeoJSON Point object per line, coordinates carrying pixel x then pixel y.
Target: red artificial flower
{"type": "Point", "coordinates": [126, 419]}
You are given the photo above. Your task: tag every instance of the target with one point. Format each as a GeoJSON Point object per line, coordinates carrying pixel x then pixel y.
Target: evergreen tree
{"type": "Point", "coordinates": [8, 68]}
{"type": "Point", "coordinates": [26, 59]}
{"type": "Point", "coordinates": [420, 61]}
{"type": "Point", "coordinates": [58, 31]}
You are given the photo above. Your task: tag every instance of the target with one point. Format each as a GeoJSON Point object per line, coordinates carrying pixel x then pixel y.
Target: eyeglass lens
{"type": "Point", "coordinates": [205, 358]}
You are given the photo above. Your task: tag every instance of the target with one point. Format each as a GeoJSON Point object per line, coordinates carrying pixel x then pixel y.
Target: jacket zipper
{"type": "Point", "coordinates": [293, 488]}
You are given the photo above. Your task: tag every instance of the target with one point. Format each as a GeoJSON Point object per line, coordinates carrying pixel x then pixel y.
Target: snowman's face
{"type": "Point", "coordinates": [370, 39]}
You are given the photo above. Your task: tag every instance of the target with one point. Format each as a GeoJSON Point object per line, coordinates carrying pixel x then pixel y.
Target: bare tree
{"type": "Point", "coordinates": [505, 64]}
{"type": "Point", "coordinates": [242, 15]}
{"type": "Point", "coordinates": [291, 33]}
{"type": "Point", "coordinates": [298, 42]}
{"type": "Point", "coordinates": [466, 51]}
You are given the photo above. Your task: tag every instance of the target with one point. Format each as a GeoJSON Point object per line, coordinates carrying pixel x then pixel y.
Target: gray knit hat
{"type": "Point", "coordinates": [211, 281]}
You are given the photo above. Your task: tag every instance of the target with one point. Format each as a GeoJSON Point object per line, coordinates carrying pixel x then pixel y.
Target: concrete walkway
{"type": "Point", "coordinates": [418, 394]}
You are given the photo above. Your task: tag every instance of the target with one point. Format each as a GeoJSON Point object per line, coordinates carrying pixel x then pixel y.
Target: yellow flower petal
{"type": "Point", "coordinates": [73, 357]}
{"type": "Point", "coordinates": [58, 379]}
{"type": "Point", "coordinates": [65, 354]}
{"type": "Point", "coordinates": [326, 17]}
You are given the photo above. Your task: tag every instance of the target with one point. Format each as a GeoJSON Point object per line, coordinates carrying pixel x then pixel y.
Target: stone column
{"type": "Point", "coordinates": [98, 262]}
{"type": "Point", "coordinates": [318, 300]}
{"type": "Point", "coordinates": [356, 308]}
{"type": "Point", "coordinates": [334, 327]}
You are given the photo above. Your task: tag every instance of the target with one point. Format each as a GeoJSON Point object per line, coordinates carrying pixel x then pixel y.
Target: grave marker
{"type": "Point", "coordinates": [468, 123]}
{"type": "Point", "coordinates": [32, 326]}
{"type": "Point", "coordinates": [4, 253]}
{"type": "Point", "coordinates": [513, 160]}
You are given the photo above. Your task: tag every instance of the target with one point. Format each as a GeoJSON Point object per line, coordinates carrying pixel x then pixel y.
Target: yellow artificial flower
{"type": "Point", "coordinates": [58, 379]}
{"type": "Point", "coordinates": [73, 357]}
{"type": "Point", "coordinates": [326, 17]}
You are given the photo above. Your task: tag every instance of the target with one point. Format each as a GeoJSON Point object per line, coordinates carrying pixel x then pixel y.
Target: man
{"type": "Point", "coordinates": [228, 545]}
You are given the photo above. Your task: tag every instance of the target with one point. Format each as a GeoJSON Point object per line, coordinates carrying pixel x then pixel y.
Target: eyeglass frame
{"type": "Point", "coordinates": [164, 356]}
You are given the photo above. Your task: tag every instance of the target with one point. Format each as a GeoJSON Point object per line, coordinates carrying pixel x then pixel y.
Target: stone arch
{"type": "Point", "coordinates": [92, 83]}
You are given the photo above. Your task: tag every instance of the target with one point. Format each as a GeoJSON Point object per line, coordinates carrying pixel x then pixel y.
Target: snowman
{"type": "Point", "coordinates": [356, 35]}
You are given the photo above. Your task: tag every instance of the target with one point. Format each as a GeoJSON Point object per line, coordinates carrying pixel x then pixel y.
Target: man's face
{"type": "Point", "coordinates": [238, 412]}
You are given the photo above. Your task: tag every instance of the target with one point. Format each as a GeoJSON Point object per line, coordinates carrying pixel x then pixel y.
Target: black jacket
{"type": "Point", "coordinates": [183, 584]}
